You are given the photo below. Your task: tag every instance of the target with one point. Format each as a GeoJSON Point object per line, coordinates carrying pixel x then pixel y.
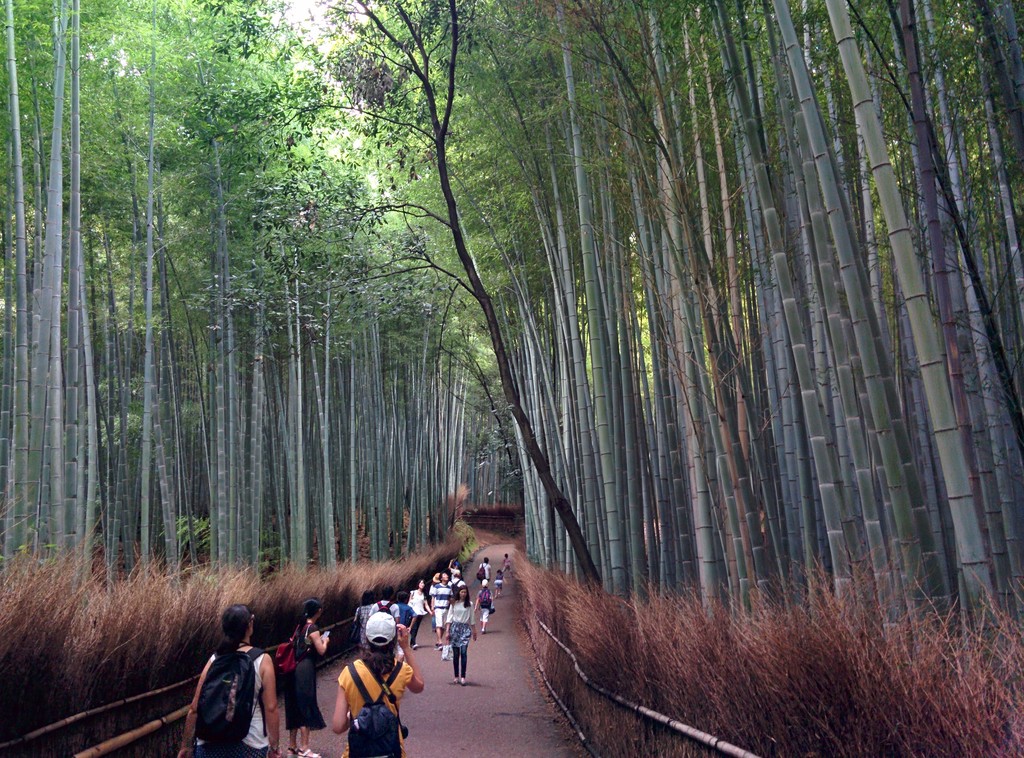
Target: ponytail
{"type": "Point", "coordinates": [235, 623]}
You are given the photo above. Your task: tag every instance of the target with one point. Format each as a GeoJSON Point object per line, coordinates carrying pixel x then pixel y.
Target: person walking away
{"type": "Point", "coordinates": [483, 572]}
{"type": "Point", "coordinates": [506, 566]}
{"type": "Point", "coordinates": [263, 736]}
{"type": "Point", "coordinates": [380, 675]}
{"type": "Point", "coordinates": [366, 607]}
{"type": "Point", "coordinates": [457, 581]}
{"type": "Point", "coordinates": [442, 597]}
{"type": "Point", "coordinates": [430, 597]}
{"type": "Point", "coordinates": [420, 604]}
{"type": "Point", "coordinates": [499, 582]}
{"type": "Point", "coordinates": [387, 602]}
{"type": "Point", "coordinates": [404, 611]}
{"type": "Point", "coordinates": [484, 604]}
{"type": "Point", "coordinates": [301, 711]}
{"type": "Point", "coordinates": [460, 625]}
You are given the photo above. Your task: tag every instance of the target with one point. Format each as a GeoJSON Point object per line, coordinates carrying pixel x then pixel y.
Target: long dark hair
{"type": "Point", "coordinates": [459, 592]}
{"type": "Point", "coordinates": [380, 659]}
{"type": "Point", "coordinates": [235, 623]}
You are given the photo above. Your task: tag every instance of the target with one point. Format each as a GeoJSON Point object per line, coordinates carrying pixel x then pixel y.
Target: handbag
{"type": "Point", "coordinates": [285, 658]}
{"type": "Point", "coordinates": [446, 653]}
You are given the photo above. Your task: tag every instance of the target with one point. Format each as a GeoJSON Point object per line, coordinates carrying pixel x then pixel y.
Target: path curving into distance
{"type": "Point", "coordinates": [500, 711]}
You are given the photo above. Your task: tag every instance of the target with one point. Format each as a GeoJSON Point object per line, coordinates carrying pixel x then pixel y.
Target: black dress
{"type": "Point", "coordinates": [300, 706]}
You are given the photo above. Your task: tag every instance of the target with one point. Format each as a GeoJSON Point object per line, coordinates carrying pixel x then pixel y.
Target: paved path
{"type": "Point", "coordinates": [500, 711]}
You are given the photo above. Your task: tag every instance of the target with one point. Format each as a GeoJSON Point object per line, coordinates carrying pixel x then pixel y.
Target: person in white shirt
{"type": "Point", "coordinates": [264, 733]}
{"type": "Point", "coordinates": [457, 581]}
{"type": "Point", "coordinates": [459, 626]}
{"type": "Point", "coordinates": [441, 594]}
{"type": "Point", "coordinates": [420, 604]}
{"type": "Point", "coordinates": [483, 572]}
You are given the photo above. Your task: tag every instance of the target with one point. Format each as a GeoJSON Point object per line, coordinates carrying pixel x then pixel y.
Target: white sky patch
{"type": "Point", "coordinates": [310, 15]}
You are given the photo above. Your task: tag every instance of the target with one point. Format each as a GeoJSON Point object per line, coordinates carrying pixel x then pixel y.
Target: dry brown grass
{"type": "Point", "coordinates": [497, 510]}
{"type": "Point", "coordinates": [825, 678]}
{"type": "Point", "coordinates": [456, 502]}
{"type": "Point", "coordinates": [67, 647]}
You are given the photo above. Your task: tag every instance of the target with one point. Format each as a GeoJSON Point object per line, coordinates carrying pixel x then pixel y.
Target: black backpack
{"type": "Point", "coordinates": [228, 697]}
{"type": "Point", "coordinates": [375, 731]}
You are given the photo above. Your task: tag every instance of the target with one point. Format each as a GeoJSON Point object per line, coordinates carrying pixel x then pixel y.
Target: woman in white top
{"type": "Point", "coordinates": [420, 604]}
{"type": "Point", "coordinates": [259, 742]}
{"type": "Point", "coordinates": [459, 626]}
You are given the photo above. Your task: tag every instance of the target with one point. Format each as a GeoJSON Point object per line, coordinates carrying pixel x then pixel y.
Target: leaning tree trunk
{"type": "Point", "coordinates": [439, 121]}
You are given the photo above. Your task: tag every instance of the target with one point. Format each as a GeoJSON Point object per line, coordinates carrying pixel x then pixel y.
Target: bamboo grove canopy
{"type": "Point", "coordinates": [722, 291]}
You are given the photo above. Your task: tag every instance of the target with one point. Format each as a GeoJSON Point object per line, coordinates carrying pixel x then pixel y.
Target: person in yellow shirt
{"type": "Point", "coordinates": [381, 677]}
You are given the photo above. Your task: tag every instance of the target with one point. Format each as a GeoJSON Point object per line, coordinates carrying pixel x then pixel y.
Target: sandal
{"type": "Point", "coordinates": [307, 753]}
{"type": "Point", "coordinates": [292, 751]}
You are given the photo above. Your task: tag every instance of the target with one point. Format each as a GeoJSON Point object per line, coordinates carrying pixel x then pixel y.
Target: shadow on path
{"type": "Point", "coordinates": [500, 711]}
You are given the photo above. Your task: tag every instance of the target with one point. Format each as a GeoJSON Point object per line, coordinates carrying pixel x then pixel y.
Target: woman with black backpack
{"type": "Point", "coordinates": [301, 711]}
{"type": "Point", "coordinates": [237, 675]}
{"type": "Point", "coordinates": [371, 688]}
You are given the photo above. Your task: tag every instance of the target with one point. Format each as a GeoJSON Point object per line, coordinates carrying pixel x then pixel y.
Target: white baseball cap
{"type": "Point", "coordinates": [380, 628]}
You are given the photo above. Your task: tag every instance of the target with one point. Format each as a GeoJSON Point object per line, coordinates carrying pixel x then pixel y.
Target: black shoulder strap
{"type": "Point", "coordinates": [354, 672]}
{"type": "Point", "coordinates": [295, 641]}
{"type": "Point", "coordinates": [386, 686]}
{"type": "Point", "coordinates": [394, 674]}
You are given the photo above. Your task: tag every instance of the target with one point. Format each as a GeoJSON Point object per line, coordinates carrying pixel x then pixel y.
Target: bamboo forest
{"type": "Point", "coordinates": [723, 293]}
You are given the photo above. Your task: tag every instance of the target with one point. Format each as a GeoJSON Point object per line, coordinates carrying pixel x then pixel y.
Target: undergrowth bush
{"type": "Point", "coordinates": [68, 646]}
{"type": "Point", "coordinates": [827, 677]}
{"type": "Point", "coordinates": [466, 536]}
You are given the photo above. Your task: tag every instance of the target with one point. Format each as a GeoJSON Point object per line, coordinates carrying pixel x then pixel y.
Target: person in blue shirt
{"type": "Point", "coordinates": [405, 611]}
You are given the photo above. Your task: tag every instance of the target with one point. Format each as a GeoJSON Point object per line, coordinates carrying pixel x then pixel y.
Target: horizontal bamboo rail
{"type": "Point", "coordinates": [709, 740]}
{"type": "Point", "coordinates": [104, 748]}
{"type": "Point", "coordinates": [565, 709]}
{"type": "Point", "coordinates": [121, 740]}
{"type": "Point", "coordinates": [58, 725]}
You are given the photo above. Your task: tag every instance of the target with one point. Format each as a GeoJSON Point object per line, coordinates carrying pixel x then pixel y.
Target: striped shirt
{"type": "Point", "coordinates": [442, 594]}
